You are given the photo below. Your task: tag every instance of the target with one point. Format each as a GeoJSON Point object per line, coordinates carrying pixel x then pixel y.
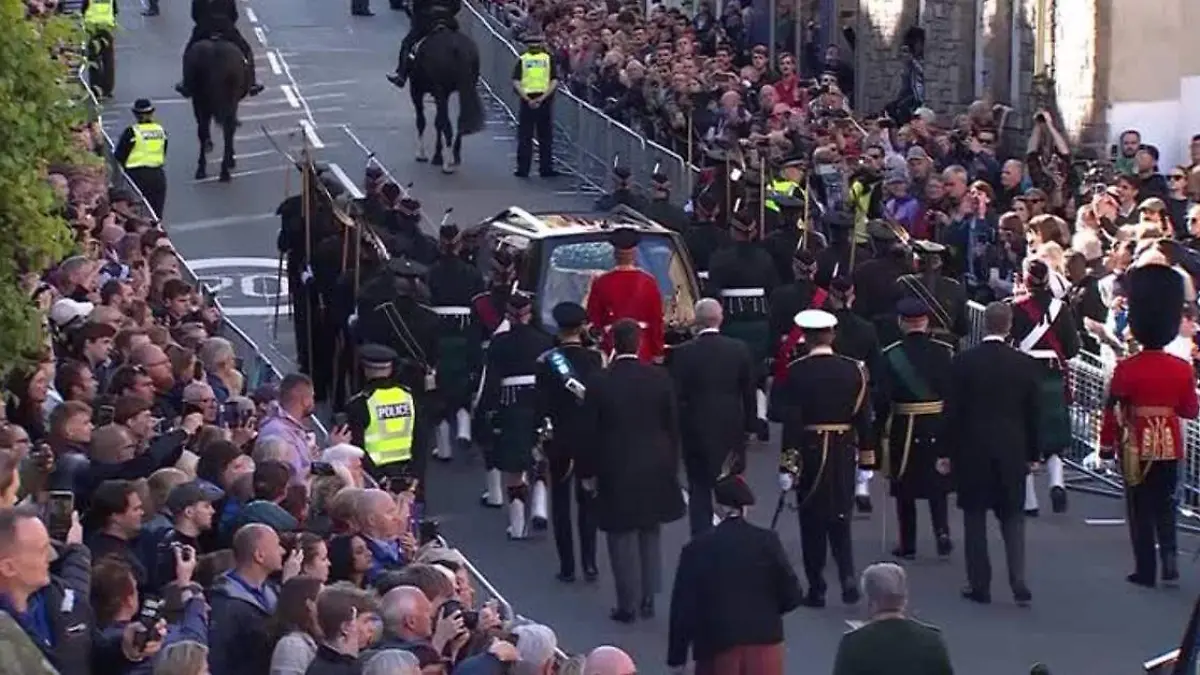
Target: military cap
{"type": "Point", "coordinates": [804, 257]}
{"type": "Point", "coordinates": [879, 231]}
{"type": "Point", "coordinates": [924, 247]}
{"type": "Point", "coordinates": [409, 206]}
{"type": "Point", "coordinates": [405, 268]}
{"type": "Point", "coordinates": [912, 308]}
{"type": "Point", "coordinates": [373, 355]}
{"type": "Point", "coordinates": [745, 219]}
{"type": "Point", "coordinates": [449, 232]}
{"type": "Point", "coordinates": [143, 106]}
{"type": "Point", "coordinates": [502, 260]}
{"type": "Point", "coordinates": [374, 172]}
{"type": "Point", "coordinates": [569, 315]}
{"type": "Point", "coordinates": [815, 319]}
{"type": "Point", "coordinates": [622, 172]}
{"type": "Point", "coordinates": [733, 492]}
{"type": "Point", "coordinates": [625, 238]}
{"type": "Point", "coordinates": [519, 302]}
{"type": "Point", "coordinates": [191, 493]}
{"type": "Point", "coordinates": [1037, 272]}
{"type": "Point", "coordinates": [841, 285]}
{"type": "Point", "coordinates": [390, 191]}
{"type": "Point", "coordinates": [660, 179]}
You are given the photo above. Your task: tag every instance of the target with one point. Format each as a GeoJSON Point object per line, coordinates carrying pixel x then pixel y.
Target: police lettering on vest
{"type": "Point", "coordinates": [100, 15]}
{"type": "Point", "coordinates": [389, 434]}
{"type": "Point", "coordinates": [149, 147]}
{"type": "Point", "coordinates": [535, 73]}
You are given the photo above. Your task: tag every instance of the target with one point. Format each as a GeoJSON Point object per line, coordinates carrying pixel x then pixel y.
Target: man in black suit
{"type": "Point", "coordinates": [990, 430]}
{"type": "Point", "coordinates": [636, 459]}
{"type": "Point", "coordinates": [714, 382]}
{"type": "Point", "coordinates": [732, 587]}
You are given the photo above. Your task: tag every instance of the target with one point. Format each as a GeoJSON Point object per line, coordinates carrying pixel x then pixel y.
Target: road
{"type": "Point", "coordinates": [325, 68]}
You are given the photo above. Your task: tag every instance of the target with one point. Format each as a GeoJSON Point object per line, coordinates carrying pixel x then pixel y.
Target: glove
{"type": "Point", "coordinates": [785, 481]}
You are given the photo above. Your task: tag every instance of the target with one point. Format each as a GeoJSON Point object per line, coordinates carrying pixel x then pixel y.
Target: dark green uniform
{"type": "Point", "coordinates": [895, 646]}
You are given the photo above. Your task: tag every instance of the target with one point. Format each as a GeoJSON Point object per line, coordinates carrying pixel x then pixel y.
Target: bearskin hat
{"type": "Point", "coordinates": [1156, 297]}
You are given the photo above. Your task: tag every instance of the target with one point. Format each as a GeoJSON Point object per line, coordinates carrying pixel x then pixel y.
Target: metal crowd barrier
{"type": "Point", "coordinates": [586, 141]}
{"type": "Point", "coordinates": [1088, 377]}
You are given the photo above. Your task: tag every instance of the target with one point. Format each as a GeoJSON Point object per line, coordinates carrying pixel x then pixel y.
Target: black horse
{"type": "Point", "coordinates": [447, 62]}
{"type": "Point", "coordinates": [219, 80]}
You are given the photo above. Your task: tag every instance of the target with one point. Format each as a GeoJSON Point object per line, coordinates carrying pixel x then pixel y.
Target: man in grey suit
{"type": "Point", "coordinates": [990, 430]}
{"type": "Point", "coordinates": [714, 384]}
{"type": "Point", "coordinates": [636, 466]}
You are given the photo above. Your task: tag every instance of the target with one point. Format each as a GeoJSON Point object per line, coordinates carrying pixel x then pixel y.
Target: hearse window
{"type": "Point", "coordinates": [571, 265]}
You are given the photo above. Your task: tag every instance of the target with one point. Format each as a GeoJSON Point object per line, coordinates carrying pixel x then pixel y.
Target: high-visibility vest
{"type": "Point", "coordinates": [389, 434]}
{"type": "Point", "coordinates": [149, 146]}
{"type": "Point", "coordinates": [780, 187]}
{"type": "Point", "coordinates": [100, 15]}
{"type": "Point", "coordinates": [535, 73]}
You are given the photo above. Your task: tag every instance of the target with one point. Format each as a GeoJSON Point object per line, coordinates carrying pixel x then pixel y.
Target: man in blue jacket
{"type": "Point", "coordinates": [243, 601]}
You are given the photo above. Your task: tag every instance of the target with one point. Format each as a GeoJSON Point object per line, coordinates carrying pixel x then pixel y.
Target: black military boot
{"type": "Point", "coordinates": [850, 594]}
{"type": "Point", "coordinates": [1170, 567]}
{"type": "Point", "coordinates": [398, 78]}
{"type": "Point", "coordinates": [862, 504]}
{"type": "Point", "coordinates": [944, 545]}
{"type": "Point", "coordinates": [1058, 499]}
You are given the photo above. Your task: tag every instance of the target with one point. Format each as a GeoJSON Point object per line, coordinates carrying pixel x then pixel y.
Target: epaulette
{"type": "Point", "coordinates": [943, 343]}
{"type": "Point", "coordinates": [894, 344]}
{"type": "Point", "coordinates": [797, 360]}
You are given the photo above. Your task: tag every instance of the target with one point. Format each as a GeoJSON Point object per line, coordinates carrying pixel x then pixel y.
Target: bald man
{"type": "Point", "coordinates": [243, 601]}
{"type": "Point", "coordinates": [608, 660]}
{"type": "Point", "coordinates": [714, 384]}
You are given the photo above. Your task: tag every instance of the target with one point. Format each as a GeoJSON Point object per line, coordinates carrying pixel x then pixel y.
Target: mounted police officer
{"type": "Point", "coordinates": [382, 417]}
{"type": "Point", "coordinates": [392, 311]}
{"type": "Point", "coordinates": [427, 15]}
{"type": "Point", "coordinates": [742, 276]}
{"type": "Point", "coordinates": [535, 79]}
{"type": "Point", "coordinates": [660, 209]}
{"type": "Point", "coordinates": [218, 18]}
{"type": "Point", "coordinates": [452, 283]}
{"type": "Point", "coordinates": [142, 150]}
{"type": "Point", "coordinates": [100, 21]}
{"type": "Point", "coordinates": [508, 404]}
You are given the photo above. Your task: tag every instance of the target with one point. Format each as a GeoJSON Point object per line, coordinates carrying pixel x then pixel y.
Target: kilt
{"type": "Point", "coordinates": [1054, 423]}
{"type": "Point", "coordinates": [515, 435]}
{"type": "Point", "coordinates": [454, 372]}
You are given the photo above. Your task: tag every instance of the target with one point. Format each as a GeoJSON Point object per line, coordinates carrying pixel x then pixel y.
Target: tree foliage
{"type": "Point", "coordinates": [41, 102]}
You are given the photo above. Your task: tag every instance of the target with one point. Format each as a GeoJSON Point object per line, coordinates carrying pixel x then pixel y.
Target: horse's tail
{"type": "Point", "coordinates": [470, 103]}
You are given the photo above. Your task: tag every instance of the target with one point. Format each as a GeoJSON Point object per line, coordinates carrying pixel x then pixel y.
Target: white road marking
{"type": "Point", "coordinates": [215, 223]}
{"type": "Point", "coordinates": [290, 95]}
{"type": "Point", "coordinates": [251, 15]}
{"type": "Point", "coordinates": [235, 275]}
{"type": "Point", "coordinates": [286, 113]}
{"type": "Point", "coordinates": [258, 153]}
{"type": "Point", "coordinates": [1104, 521]}
{"type": "Point", "coordinates": [310, 132]}
{"type": "Point", "coordinates": [345, 181]}
{"type": "Point", "coordinates": [274, 61]}
{"type": "Point", "coordinates": [262, 37]}
{"type": "Point", "coordinates": [331, 83]}
{"type": "Point", "coordinates": [240, 174]}
{"type": "Point", "coordinates": [287, 71]}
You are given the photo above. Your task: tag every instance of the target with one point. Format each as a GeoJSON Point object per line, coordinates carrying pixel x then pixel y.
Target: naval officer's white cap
{"type": "Point", "coordinates": [815, 319]}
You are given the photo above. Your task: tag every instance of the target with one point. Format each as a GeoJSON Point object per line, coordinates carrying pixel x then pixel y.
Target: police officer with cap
{"type": "Point", "coordinates": [142, 150]}
{"type": "Point", "coordinates": [789, 184]}
{"type": "Point", "coordinates": [535, 78]}
{"type": "Point", "coordinates": [452, 283]}
{"type": "Point", "coordinates": [826, 416]}
{"type": "Point", "coordinates": [562, 379]}
{"type": "Point", "coordinates": [622, 191]}
{"type": "Point", "coordinates": [732, 587]}
{"type": "Point", "coordinates": [509, 405]}
{"type": "Point", "coordinates": [100, 21]}
{"type": "Point", "coordinates": [382, 419]}
{"type": "Point", "coordinates": [911, 386]}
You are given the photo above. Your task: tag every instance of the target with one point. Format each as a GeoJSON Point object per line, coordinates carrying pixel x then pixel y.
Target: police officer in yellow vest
{"type": "Point", "coordinates": [142, 150]}
{"type": "Point", "coordinates": [382, 417]}
{"type": "Point", "coordinates": [535, 78]}
{"type": "Point", "coordinates": [100, 20]}
{"type": "Point", "coordinates": [789, 183]}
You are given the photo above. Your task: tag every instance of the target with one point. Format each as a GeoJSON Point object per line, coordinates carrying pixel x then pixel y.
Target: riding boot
{"type": "Point", "coordinates": [400, 77]}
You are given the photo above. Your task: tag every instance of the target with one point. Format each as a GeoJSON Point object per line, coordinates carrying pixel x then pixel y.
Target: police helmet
{"type": "Point", "coordinates": [143, 106]}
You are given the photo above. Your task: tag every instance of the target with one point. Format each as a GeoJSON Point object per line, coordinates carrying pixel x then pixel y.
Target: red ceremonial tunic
{"type": "Point", "coordinates": [1155, 390]}
{"type": "Point", "coordinates": [628, 293]}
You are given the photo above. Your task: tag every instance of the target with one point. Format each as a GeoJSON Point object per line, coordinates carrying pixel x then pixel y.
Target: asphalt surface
{"type": "Point", "coordinates": [325, 68]}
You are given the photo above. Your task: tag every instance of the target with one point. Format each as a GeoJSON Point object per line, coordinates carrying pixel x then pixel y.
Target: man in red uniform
{"type": "Point", "coordinates": [1149, 394]}
{"type": "Point", "coordinates": [626, 292]}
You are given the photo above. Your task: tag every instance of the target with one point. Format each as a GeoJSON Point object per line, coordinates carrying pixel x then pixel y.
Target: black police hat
{"type": "Point", "coordinates": [794, 162]}
{"type": "Point", "coordinates": [625, 238]}
{"type": "Point", "coordinates": [143, 106]}
{"type": "Point", "coordinates": [733, 492]}
{"type": "Point", "coordinates": [569, 315]}
{"type": "Point", "coordinates": [409, 206]}
{"type": "Point", "coordinates": [910, 307]}
{"type": "Point", "coordinates": [405, 268]}
{"type": "Point", "coordinates": [376, 356]}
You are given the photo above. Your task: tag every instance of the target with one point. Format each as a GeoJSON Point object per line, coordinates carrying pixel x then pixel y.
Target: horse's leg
{"type": "Point", "coordinates": [445, 134]}
{"type": "Point", "coordinates": [418, 101]}
{"type": "Point", "coordinates": [203, 136]}
{"type": "Point", "coordinates": [228, 128]}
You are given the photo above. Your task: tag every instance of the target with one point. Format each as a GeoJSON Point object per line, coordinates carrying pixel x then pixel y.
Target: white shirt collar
{"type": "Point", "coordinates": [708, 330]}
{"type": "Point", "coordinates": [1180, 347]}
{"type": "Point", "coordinates": [821, 349]}
{"type": "Point", "coordinates": [994, 338]}
{"type": "Point", "coordinates": [618, 357]}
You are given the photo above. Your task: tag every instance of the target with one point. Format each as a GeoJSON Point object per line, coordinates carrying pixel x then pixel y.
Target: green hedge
{"type": "Point", "coordinates": [41, 102]}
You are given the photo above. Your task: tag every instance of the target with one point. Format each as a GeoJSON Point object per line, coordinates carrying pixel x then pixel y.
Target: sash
{"type": "Point", "coordinates": [795, 337]}
{"type": "Point", "coordinates": [487, 312]}
{"type": "Point", "coordinates": [907, 374]}
{"type": "Point", "coordinates": [1042, 327]}
{"type": "Point", "coordinates": [939, 311]}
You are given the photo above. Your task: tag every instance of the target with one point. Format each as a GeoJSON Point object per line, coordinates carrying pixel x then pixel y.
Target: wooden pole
{"type": "Point", "coordinates": [287, 192]}
{"type": "Point", "coordinates": [306, 176]}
